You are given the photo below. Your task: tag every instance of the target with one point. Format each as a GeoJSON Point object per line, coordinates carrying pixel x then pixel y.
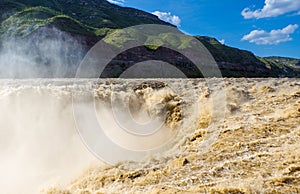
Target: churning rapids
{"type": "Point", "coordinates": [228, 136]}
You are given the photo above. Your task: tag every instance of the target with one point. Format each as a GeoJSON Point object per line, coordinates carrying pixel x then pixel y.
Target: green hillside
{"type": "Point", "coordinates": [91, 18]}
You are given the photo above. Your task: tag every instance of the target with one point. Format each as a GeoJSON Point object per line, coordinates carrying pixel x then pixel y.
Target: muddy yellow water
{"type": "Point", "coordinates": [225, 136]}
{"type": "Point", "coordinates": [257, 148]}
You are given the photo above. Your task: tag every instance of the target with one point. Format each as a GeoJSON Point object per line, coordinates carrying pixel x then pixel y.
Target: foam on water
{"type": "Point", "coordinates": [256, 148]}
{"type": "Point", "coordinates": [40, 144]}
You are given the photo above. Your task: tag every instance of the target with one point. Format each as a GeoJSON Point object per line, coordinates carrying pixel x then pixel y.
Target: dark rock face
{"type": "Point", "coordinates": [239, 70]}
{"type": "Point", "coordinates": [228, 69]}
{"type": "Point", "coordinates": [150, 84]}
{"type": "Point", "coordinates": [140, 54]}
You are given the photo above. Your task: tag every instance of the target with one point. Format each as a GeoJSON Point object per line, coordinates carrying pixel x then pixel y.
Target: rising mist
{"type": "Point", "coordinates": [46, 53]}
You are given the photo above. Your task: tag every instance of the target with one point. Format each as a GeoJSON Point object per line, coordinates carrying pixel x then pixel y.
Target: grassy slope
{"type": "Point", "coordinates": [95, 13]}
{"type": "Point", "coordinates": [95, 18]}
{"type": "Point", "coordinates": [29, 19]}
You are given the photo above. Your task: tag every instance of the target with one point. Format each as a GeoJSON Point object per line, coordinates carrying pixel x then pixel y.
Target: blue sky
{"type": "Point", "coordinates": [265, 27]}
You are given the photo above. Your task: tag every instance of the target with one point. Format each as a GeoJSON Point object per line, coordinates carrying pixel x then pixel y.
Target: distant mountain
{"type": "Point", "coordinates": [90, 21]}
{"type": "Point", "coordinates": [234, 62]}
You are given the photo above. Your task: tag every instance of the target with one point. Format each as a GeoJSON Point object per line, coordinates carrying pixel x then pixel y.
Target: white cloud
{"type": "Point", "coordinates": [118, 2]}
{"type": "Point", "coordinates": [168, 17]}
{"type": "Point", "coordinates": [273, 37]}
{"type": "Point", "coordinates": [273, 8]}
{"type": "Point", "coordinates": [222, 41]}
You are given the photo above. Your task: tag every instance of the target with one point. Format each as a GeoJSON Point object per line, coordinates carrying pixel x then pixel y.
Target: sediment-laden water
{"type": "Point", "coordinates": [217, 136]}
